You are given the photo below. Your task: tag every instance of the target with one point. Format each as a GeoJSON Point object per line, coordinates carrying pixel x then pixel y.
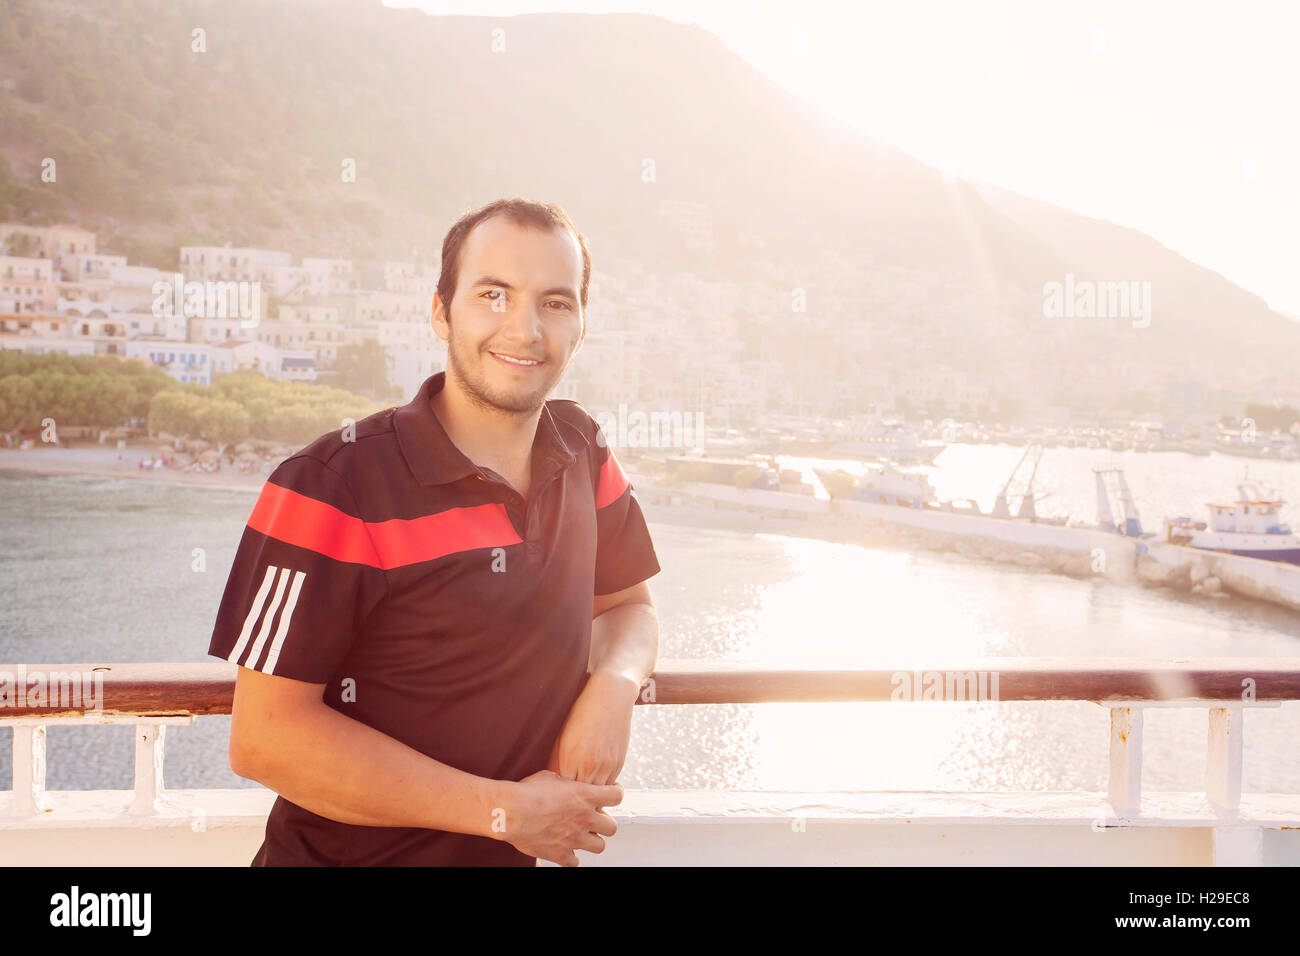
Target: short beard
{"type": "Point", "coordinates": [481, 396]}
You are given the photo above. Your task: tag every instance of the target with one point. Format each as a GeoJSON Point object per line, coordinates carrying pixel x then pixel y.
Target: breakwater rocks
{"type": "Point", "coordinates": [1215, 574]}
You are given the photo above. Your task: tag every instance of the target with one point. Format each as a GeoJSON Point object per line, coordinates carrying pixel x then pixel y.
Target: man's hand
{"type": "Point", "coordinates": [549, 817]}
{"type": "Point", "coordinates": [593, 742]}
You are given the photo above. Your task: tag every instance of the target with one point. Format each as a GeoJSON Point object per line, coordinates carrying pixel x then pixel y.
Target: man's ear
{"type": "Point", "coordinates": [582, 336]}
{"type": "Point", "coordinates": [439, 320]}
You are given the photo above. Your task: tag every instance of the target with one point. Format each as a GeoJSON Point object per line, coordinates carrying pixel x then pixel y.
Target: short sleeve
{"type": "Point", "coordinates": [305, 576]}
{"type": "Point", "coordinates": [625, 554]}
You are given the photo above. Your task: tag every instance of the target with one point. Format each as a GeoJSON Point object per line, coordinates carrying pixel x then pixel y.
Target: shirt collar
{"type": "Point", "coordinates": [434, 459]}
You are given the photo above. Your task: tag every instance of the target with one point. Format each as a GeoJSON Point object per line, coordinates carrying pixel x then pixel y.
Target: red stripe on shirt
{"type": "Point", "coordinates": [410, 540]}
{"type": "Point", "coordinates": [296, 519]}
{"type": "Point", "coordinates": [613, 482]}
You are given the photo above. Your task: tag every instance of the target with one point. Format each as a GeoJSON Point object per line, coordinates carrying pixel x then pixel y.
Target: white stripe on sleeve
{"type": "Point", "coordinates": [254, 612]}
{"type": "Point", "coordinates": [283, 628]}
{"type": "Point", "coordinates": [282, 579]}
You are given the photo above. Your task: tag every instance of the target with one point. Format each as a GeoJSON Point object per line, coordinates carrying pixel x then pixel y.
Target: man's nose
{"type": "Point", "coordinates": [522, 323]}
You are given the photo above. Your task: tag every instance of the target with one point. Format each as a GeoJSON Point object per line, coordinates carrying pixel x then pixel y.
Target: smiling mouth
{"type": "Point", "coordinates": [515, 361]}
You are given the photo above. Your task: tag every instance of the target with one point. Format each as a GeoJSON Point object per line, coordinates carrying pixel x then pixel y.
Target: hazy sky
{"type": "Point", "coordinates": [1180, 119]}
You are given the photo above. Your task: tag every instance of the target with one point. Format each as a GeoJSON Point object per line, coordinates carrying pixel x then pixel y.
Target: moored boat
{"type": "Point", "coordinates": [1251, 526]}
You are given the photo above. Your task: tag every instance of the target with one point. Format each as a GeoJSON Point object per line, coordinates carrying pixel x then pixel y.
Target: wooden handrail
{"type": "Point", "coordinates": [205, 688]}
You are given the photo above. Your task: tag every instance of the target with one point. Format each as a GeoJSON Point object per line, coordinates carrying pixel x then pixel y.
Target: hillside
{"type": "Point", "coordinates": [158, 145]}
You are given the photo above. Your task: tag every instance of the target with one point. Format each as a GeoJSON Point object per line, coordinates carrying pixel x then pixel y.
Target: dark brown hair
{"type": "Point", "coordinates": [522, 212]}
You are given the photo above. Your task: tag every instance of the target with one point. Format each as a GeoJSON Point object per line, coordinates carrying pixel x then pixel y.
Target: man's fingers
{"type": "Point", "coordinates": [569, 859]}
{"type": "Point", "coordinates": [602, 823]}
{"type": "Point", "coordinates": [591, 842]}
{"type": "Point", "coordinates": [569, 768]}
{"type": "Point", "coordinates": [609, 795]}
{"type": "Point", "coordinates": [572, 766]}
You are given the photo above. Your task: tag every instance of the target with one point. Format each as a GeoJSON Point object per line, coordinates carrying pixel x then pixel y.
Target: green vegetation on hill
{"type": "Point", "coordinates": [248, 405]}
{"type": "Point", "coordinates": [157, 145]}
{"type": "Point", "coordinates": [363, 369]}
{"type": "Point", "coordinates": [96, 391]}
{"type": "Point", "coordinates": [106, 392]}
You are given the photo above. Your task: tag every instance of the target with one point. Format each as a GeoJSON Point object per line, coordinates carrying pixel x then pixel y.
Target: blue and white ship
{"type": "Point", "coordinates": [1250, 526]}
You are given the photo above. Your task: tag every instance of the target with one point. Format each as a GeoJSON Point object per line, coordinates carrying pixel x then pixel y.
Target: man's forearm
{"type": "Point", "coordinates": [344, 770]}
{"type": "Point", "coordinates": [625, 643]}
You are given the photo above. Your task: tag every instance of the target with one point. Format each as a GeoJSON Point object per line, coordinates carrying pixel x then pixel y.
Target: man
{"type": "Point", "coordinates": [442, 621]}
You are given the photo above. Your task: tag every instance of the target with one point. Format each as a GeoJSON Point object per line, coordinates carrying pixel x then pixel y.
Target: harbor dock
{"type": "Point", "coordinates": [1123, 558]}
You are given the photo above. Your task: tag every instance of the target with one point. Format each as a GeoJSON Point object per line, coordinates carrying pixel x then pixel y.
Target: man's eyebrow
{"type": "Point", "coordinates": [563, 290]}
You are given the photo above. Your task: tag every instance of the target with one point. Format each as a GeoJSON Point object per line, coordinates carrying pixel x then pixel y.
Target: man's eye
{"type": "Point", "coordinates": [491, 292]}
{"type": "Point", "coordinates": [562, 303]}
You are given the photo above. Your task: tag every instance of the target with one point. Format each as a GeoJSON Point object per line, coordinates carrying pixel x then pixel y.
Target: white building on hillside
{"type": "Point", "coordinates": [184, 361]}
{"type": "Point", "coordinates": [227, 264]}
{"type": "Point", "coordinates": [39, 334]}
{"type": "Point", "coordinates": [27, 285]}
{"type": "Point", "coordinates": [90, 266]}
{"type": "Point", "coordinates": [46, 242]}
{"type": "Point", "coordinates": [131, 288]}
{"type": "Point", "coordinates": [171, 327]}
{"type": "Point", "coordinates": [235, 356]}
{"type": "Point", "coordinates": [298, 366]}
{"type": "Point", "coordinates": [328, 276]}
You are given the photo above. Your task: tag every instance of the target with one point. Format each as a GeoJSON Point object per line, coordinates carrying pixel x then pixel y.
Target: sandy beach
{"type": "Point", "coordinates": [102, 462]}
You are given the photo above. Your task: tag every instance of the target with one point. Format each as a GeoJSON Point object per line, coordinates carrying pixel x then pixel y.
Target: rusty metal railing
{"type": "Point", "coordinates": [152, 696]}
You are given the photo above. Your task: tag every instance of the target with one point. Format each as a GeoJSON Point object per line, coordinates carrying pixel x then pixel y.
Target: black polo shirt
{"type": "Point", "coordinates": [431, 603]}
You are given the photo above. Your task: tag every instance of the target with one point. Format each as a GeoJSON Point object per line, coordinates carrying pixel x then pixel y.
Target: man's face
{"type": "Point", "coordinates": [516, 319]}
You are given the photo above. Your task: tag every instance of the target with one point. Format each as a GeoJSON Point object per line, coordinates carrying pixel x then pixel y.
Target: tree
{"type": "Point", "coordinates": [18, 406]}
{"type": "Point", "coordinates": [222, 422]}
{"type": "Point", "coordinates": [363, 368]}
{"type": "Point", "coordinates": [296, 424]}
{"type": "Point", "coordinates": [109, 401]}
{"type": "Point", "coordinates": [175, 412]}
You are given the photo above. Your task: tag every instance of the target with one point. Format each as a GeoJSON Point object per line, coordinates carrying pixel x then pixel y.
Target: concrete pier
{"type": "Point", "coordinates": [1211, 572]}
{"type": "Point", "coordinates": [1062, 549]}
{"type": "Point", "coordinates": [1079, 552]}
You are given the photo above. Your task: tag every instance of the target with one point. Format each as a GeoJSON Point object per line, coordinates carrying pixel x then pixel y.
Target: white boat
{"type": "Point", "coordinates": [888, 484]}
{"type": "Point", "coordinates": [1251, 526]}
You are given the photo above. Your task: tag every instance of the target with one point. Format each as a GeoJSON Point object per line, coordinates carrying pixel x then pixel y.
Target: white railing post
{"type": "Point", "coordinates": [30, 797]}
{"type": "Point", "coordinates": [1234, 845]}
{"type": "Point", "coordinates": [1223, 758]}
{"type": "Point", "coordinates": [148, 768]}
{"type": "Point", "coordinates": [1125, 785]}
